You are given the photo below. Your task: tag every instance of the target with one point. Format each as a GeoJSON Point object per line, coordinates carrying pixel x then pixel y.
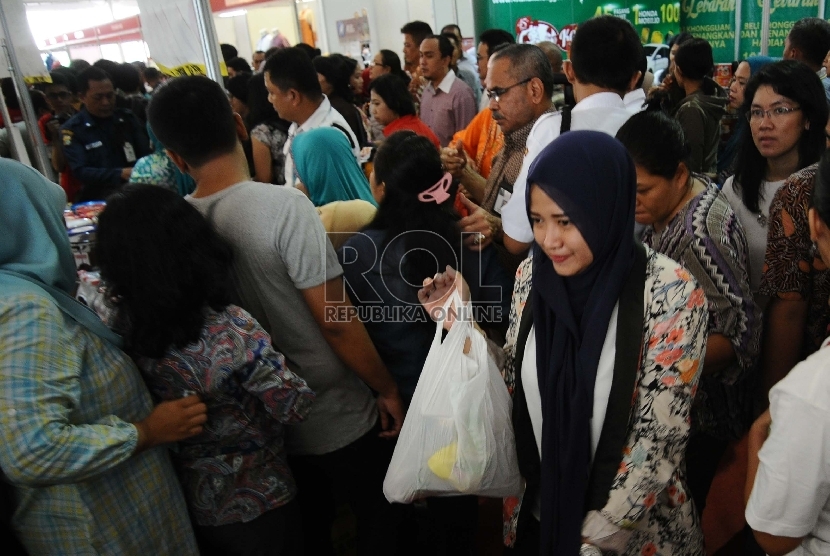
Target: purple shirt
{"type": "Point", "coordinates": [448, 109]}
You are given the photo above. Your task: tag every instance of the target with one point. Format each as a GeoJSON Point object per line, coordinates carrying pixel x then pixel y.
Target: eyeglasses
{"type": "Point", "coordinates": [497, 92]}
{"type": "Point", "coordinates": [756, 115]}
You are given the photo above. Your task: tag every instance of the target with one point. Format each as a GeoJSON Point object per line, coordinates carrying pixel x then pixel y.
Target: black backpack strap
{"type": "Point", "coordinates": [346, 133]}
{"type": "Point", "coordinates": [565, 126]}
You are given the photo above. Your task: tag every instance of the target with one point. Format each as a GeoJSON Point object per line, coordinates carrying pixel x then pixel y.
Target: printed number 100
{"type": "Point", "coordinates": [670, 13]}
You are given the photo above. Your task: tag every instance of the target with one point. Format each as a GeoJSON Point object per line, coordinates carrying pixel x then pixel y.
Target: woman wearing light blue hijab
{"type": "Point", "coordinates": [79, 438]}
{"type": "Point", "coordinates": [326, 166]}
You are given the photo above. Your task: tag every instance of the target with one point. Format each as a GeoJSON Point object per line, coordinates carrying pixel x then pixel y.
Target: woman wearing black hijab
{"type": "Point", "coordinates": [603, 354]}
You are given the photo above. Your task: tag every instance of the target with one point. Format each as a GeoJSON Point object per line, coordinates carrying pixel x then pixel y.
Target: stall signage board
{"type": "Point", "coordinates": [713, 20]}
{"type": "Point", "coordinates": [355, 29]}
{"type": "Point", "coordinates": [172, 34]}
{"type": "Point", "coordinates": [535, 21]}
{"type": "Point", "coordinates": [28, 55]}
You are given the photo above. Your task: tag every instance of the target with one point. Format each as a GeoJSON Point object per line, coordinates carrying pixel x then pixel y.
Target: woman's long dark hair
{"type": "Point", "coordinates": [164, 264]}
{"type": "Point", "coordinates": [797, 82]}
{"type": "Point", "coordinates": [260, 111]}
{"type": "Point", "coordinates": [337, 71]}
{"type": "Point", "coordinates": [391, 60]}
{"type": "Point", "coordinates": [409, 164]}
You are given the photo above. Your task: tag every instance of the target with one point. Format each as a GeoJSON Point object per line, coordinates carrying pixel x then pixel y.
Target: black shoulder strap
{"type": "Point", "coordinates": [627, 361]}
{"type": "Point", "coordinates": [565, 126]}
{"type": "Point", "coordinates": [343, 129]}
{"type": "Point", "coordinates": [530, 464]}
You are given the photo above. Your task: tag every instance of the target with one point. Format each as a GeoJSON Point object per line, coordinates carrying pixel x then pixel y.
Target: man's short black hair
{"type": "Point", "coordinates": [526, 61]}
{"type": "Point", "coordinates": [239, 65]}
{"type": "Point", "coordinates": [445, 47]}
{"type": "Point", "coordinates": [127, 78]}
{"type": "Point", "coordinates": [454, 29]}
{"type": "Point", "coordinates": [152, 73]}
{"type": "Point", "coordinates": [39, 101]}
{"type": "Point", "coordinates": [237, 86]}
{"type": "Point", "coordinates": [63, 77]}
{"type": "Point", "coordinates": [91, 73]}
{"type": "Point", "coordinates": [811, 36]}
{"type": "Point", "coordinates": [418, 30]}
{"type": "Point", "coordinates": [192, 117]}
{"type": "Point", "coordinates": [606, 52]}
{"type": "Point", "coordinates": [395, 94]}
{"type": "Point", "coordinates": [291, 68]}
{"type": "Point", "coordinates": [494, 38]}
{"type": "Point", "coordinates": [229, 52]}
{"type": "Point", "coordinates": [308, 49]}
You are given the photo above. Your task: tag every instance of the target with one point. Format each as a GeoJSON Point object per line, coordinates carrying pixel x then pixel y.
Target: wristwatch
{"type": "Point", "coordinates": [589, 550]}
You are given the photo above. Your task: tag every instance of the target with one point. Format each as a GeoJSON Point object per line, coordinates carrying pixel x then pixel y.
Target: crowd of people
{"type": "Point", "coordinates": [646, 262]}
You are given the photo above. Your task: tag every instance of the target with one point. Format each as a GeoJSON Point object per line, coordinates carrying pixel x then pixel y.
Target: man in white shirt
{"type": "Point", "coordinates": [295, 93]}
{"type": "Point", "coordinates": [788, 480]}
{"type": "Point", "coordinates": [603, 67]}
{"type": "Point", "coordinates": [636, 97]}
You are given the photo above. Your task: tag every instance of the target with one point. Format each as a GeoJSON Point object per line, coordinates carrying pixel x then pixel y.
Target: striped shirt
{"type": "Point", "coordinates": [67, 401]}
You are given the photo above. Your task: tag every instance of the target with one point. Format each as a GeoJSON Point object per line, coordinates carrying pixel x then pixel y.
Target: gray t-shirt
{"type": "Point", "coordinates": [281, 248]}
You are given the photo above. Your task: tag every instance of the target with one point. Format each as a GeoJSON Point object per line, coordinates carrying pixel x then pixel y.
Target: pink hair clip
{"type": "Point", "coordinates": [439, 192]}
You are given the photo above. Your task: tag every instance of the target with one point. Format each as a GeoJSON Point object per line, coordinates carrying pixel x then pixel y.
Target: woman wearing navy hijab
{"type": "Point", "coordinates": [603, 353]}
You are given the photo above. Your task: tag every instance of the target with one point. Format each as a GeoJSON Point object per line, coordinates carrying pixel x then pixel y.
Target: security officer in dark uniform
{"type": "Point", "coordinates": [101, 142]}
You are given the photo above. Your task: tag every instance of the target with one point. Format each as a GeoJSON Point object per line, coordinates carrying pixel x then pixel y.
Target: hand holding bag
{"type": "Point", "coordinates": [457, 437]}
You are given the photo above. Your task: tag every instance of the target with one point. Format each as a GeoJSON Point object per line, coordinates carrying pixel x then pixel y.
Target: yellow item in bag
{"type": "Point", "coordinates": [442, 461]}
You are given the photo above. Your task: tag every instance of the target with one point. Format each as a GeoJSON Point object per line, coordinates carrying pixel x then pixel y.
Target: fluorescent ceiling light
{"type": "Point", "coordinates": [233, 13]}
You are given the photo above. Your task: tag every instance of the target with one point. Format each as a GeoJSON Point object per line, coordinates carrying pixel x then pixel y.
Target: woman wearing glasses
{"type": "Point", "coordinates": [786, 113]}
{"type": "Point", "coordinates": [794, 280]}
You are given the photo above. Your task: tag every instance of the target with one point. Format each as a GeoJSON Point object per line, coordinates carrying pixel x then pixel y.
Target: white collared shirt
{"type": "Point", "coordinates": [445, 85]}
{"type": "Point", "coordinates": [324, 116]}
{"type": "Point", "coordinates": [604, 112]}
{"type": "Point", "coordinates": [634, 100]}
{"type": "Point", "coordinates": [602, 388]}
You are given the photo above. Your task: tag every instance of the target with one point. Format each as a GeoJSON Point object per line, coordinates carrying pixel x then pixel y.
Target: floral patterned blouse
{"type": "Point", "coordinates": [649, 496]}
{"type": "Point", "coordinates": [274, 138]}
{"type": "Point", "coordinates": [707, 239]}
{"type": "Point", "coordinates": [235, 470]}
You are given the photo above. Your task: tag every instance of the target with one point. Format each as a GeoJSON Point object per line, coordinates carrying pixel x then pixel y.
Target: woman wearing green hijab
{"type": "Point", "coordinates": [326, 166]}
{"type": "Point", "coordinates": [80, 441]}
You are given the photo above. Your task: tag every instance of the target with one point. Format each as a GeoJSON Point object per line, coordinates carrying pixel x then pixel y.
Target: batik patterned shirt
{"type": "Point", "coordinates": [792, 269]}
{"type": "Point", "coordinates": [648, 496]}
{"type": "Point", "coordinates": [706, 238]}
{"type": "Point", "coordinates": [235, 470]}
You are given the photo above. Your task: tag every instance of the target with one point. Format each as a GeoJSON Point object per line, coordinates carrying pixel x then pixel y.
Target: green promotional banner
{"type": "Point", "coordinates": [534, 21]}
{"type": "Point", "coordinates": [751, 22]}
{"type": "Point", "coordinates": [713, 20]}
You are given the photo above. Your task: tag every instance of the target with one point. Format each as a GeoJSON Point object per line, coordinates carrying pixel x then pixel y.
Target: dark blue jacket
{"type": "Point", "coordinates": [94, 150]}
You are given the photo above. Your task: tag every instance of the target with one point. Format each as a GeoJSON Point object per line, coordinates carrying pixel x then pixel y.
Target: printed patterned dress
{"type": "Point", "coordinates": [649, 496]}
{"type": "Point", "coordinates": [707, 239]}
{"type": "Point", "coordinates": [235, 470]}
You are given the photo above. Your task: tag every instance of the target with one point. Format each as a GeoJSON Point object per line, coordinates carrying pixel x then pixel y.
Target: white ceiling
{"type": "Point", "coordinates": [49, 18]}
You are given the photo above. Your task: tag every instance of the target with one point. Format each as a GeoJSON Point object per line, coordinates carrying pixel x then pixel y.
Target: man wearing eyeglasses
{"type": "Point", "coordinates": [448, 104]}
{"type": "Point", "coordinates": [102, 143]}
{"type": "Point", "coordinates": [603, 67]}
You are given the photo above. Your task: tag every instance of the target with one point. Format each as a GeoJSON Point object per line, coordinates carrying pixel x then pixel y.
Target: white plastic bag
{"type": "Point", "coordinates": [457, 437]}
